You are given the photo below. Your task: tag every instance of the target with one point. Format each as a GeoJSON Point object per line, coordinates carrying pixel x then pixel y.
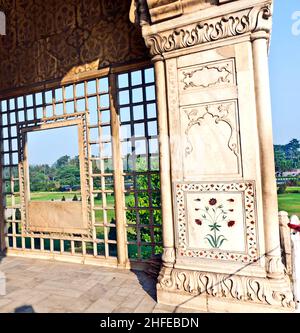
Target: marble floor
{"type": "Point", "coordinates": [54, 287]}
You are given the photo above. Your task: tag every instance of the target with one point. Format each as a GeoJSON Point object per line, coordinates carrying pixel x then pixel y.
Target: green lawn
{"type": "Point", "coordinates": [290, 202]}
{"type": "Point", "coordinates": [48, 196]}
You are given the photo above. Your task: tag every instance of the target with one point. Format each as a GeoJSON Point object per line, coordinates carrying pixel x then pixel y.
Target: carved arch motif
{"type": "Point", "coordinates": [221, 112]}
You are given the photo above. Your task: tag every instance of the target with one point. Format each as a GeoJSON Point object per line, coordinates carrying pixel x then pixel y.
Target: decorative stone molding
{"type": "Point", "coordinates": [139, 13]}
{"type": "Point", "coordinates": [236, 287]}
{"type": "Point", "coordinates": [275, 267]}
{"type": "Point", "coordinates": [168, 256]}
{"type": "Point", "coordinates": [209, 76]}
{"type": "Point", "coordinates": [164, 9]}
{"type": "Point", "coordinates": [257, 18]}
{"type": "Point", "coordinates": [221, 112]}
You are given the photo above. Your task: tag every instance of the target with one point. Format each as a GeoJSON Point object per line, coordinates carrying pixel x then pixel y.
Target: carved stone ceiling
{"type": "Point", "coordinates": [55, 39]}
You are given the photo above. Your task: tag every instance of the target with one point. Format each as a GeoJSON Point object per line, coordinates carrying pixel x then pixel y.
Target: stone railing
{"type": "Point", "coordinates": [290, 244]}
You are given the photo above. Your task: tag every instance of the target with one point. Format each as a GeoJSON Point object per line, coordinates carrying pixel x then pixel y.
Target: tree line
{"type": "Point", "coordinates": [65, 172]}
{"type": "Point", "coordinates": [287, 157]}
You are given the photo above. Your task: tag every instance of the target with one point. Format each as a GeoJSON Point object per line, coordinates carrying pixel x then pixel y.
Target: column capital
{"type": "Point", "coordinates": [210, 24]}
{"type": "Point", "coordinates": [157, 58]}
{"type": "Point", "coordinates": [260, 35]}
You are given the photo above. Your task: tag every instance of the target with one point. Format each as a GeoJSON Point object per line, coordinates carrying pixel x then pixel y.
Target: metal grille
{"type": "Point", "coordinates": [140, 152]}
{"type": "Point", "coordinates": [91, 100]}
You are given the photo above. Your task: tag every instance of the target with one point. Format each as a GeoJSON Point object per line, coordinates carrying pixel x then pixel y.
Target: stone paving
{"type": "Point", "coordinates": [54, 287]}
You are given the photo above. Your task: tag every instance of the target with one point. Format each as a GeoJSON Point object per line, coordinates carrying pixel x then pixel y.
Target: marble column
{"type": "Point", "coordinates": [264, 122]}
{"type": "Point", "coordinates": [165, 170]}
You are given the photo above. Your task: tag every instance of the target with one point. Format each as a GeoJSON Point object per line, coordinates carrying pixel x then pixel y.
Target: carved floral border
{"type": "Point", "coordinates": [248, 190]}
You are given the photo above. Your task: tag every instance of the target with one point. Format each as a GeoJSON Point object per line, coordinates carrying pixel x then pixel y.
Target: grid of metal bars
{"type": "Point", "coordinates": [139, 140]}
{"type": "Point", "coordinates": [140, 152]}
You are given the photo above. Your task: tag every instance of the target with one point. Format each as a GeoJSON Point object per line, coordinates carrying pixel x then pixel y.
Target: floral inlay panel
{"type": "Point", "coordinates": [217, 221]}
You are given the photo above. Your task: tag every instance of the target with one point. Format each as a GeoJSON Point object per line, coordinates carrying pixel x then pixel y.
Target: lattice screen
{"type": "Point", "coordinates": [90, 101]}
{"type": "Point", "coordinates": [136, 91]}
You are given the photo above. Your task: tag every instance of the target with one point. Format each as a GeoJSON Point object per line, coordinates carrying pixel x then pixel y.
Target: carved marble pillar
{"type": "Point", "coordinates": [260, 40]}
{"type": "Point", "coordinates": [165, 170]}
{"type": "Point", "coordinates": [211, 65]}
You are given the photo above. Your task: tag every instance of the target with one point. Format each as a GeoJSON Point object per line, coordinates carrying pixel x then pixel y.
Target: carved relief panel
{"type": "Point", "coordinates": [209, 120]}
{"type": "Point", "coordinates": [211, 75]}
{"type": "Point", "coordinates": [212, 138]}
{"type": "Point", "coordinates": [216, 188]}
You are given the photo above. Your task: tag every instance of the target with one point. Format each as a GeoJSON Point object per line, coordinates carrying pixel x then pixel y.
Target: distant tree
{"type": "Point", "coordinates": [75, 198]}
{"type": "Point", "coordinates": [63, 198]}
{"type": "Point", "coordinates": [62, 161]}
{"type": "Point", "coordinates": [281, 189]}
{"type": "Point", "coordinates": [68, 175]}
{"type": "Point", "coordinates": [287, 157]}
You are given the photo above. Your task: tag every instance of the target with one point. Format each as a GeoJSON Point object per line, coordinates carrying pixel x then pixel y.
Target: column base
{"type": "Point", "coordinates": [213, 292]}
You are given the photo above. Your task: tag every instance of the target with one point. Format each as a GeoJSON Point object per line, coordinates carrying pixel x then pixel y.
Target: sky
{"type": "Point", "coordinates": [285, 71]}
{"type": "Point", "coordinates": [44, 148]}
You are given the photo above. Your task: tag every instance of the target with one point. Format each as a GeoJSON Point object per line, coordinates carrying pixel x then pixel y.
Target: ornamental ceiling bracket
{"type": "Point", "coordinates": [244, 21]}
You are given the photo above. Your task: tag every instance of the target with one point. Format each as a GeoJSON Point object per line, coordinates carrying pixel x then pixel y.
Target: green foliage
{"type": "Point", "coordinates": [281, 189]}
{"type": "Point", "coordinates": [63, 198]}
{"type": "Point", "coordinates": [143, 201]}
{"type": "Point", "coordinates": [75, 198]}
{"type": "Point", "coordinates": [64, 172]}
{"type": "Point", "coordinates": [287, 157]}
{"type": "Point", "coordinates": [68, 175]}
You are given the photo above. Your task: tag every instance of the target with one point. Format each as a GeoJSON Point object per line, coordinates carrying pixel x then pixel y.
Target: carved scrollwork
{"type": "Point", "coordinates": [198, 77]}
{"type": "Point", "coordinates": [249, 20]}
{"type": "Point", "coordinates": [220, 112]}
{"type": "Point", "coordinates": [48, 40]}
{"type": "Point", "coordinates": [236, 287]}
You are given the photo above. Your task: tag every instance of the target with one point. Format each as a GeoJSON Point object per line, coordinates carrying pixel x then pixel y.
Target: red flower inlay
{"type": "Point", "coordinates": [230, 200]}
{"type": "Point", "coordinates": [212, 202]}
{"type": "Point", "coordinates": [231, 224]}
{"type": "Point", "coordinates": [199, 222]}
